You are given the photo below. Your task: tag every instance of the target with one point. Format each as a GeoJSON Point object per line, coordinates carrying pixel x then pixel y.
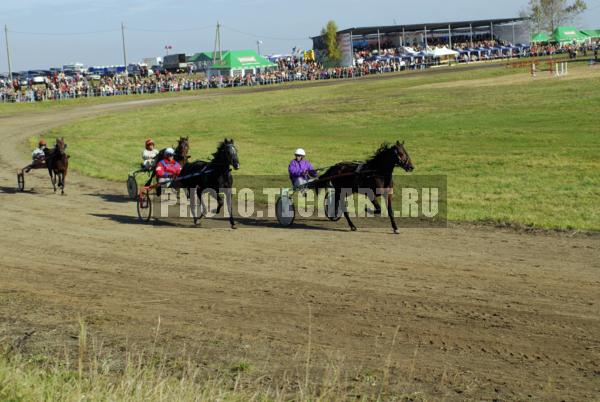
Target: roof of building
{"type": "Point", "coordinates": [386, 29]}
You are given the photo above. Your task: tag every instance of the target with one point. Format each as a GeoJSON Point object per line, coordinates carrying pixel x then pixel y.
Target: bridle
{"type": "Point", "coordinates": [403, 159]}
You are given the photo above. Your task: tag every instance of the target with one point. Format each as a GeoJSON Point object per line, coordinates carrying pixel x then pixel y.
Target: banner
{"type": "Point", "coordinates": [345, 43]}
{"type": "Point", "coordinates": [309, 55]}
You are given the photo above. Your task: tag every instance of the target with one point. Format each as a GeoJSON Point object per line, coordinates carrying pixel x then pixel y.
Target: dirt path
{"type": "Point", "coordinates": [480, 313]}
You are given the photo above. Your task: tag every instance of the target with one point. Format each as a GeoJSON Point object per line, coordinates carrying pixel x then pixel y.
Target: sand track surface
{"type": "Point", "coordinates": [478, 312]}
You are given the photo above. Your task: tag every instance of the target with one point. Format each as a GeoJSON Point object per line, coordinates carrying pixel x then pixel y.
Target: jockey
{"type": "Point", "coordinates": [300, 169]}
{"type": "Point", "coordinates": [38, 156]}
{"type": "Point", "coordinates": [148, 155]}
{"type": "Point", "coordinates": [168, 168]}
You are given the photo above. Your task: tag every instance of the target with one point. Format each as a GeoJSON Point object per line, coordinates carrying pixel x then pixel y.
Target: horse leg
{"type": "Point", "coordinates": [193, 199]}
{"type": "Point", "coordinates": [391, 213]}
{"type": "Point", "coordinates": [63, 176]}
{"type": "Point", "coordinates": [53, 178]}
{"type": "Point", "coordinates": [228, 197]}
{"type": "Point", "coordinates": [373, 199]}
{"type": "Point", "coordinates": [346, 215]}
{"type": "Point", "coordinates": [220, 204]}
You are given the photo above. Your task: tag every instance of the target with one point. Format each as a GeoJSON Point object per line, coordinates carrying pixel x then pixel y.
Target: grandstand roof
{"type": "Point", "coordinates": [430, 26]}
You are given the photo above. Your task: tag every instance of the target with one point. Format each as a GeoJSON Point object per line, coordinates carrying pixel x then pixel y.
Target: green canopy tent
{"type": "Point", "coordinates": [592, 33]}
{"type": "Point", "coordinates": [240, 63]}
{"type": "Point", "coordinates": [202, 60]}
{"type": "Point", "coordinates": [567, 35]}
{"type": "Point", "coordinates": [540, 38]}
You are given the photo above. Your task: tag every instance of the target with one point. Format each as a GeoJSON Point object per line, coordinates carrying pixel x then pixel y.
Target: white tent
{"type": "Point", "coordinates": [444, 53]}
{"type": "Point", "coordinates": [409, 50]}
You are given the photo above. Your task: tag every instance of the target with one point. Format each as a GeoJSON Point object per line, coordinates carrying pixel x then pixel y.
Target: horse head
{"type": "Point", "coordinates": [183, 146]}
{"type": "Point", "coordinates": [226, 154]}
{"type": "Point", "coordinates": [232, 155]}
{"type": "Point", "coordinates": [60, 146]}
{"type": "Point", "coordinates": [402, 157]}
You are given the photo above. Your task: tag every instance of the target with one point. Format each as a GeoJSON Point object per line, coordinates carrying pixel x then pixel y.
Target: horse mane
{"type": "Point", "coordinates": [384, 147]}
{"type": "Point", "coordinates": [220, 149]}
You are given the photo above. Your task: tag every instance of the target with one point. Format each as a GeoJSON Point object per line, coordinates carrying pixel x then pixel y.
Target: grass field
{"type": "Point", "coordinates": [93, 374]}
{"type": "Point", "coordinates": [514, 149]}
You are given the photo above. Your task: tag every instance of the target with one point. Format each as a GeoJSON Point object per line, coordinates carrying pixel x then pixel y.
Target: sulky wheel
{"type": "Point", "coordinates": [144, 205]}
{"type": "Point", "coordinates": [285, 211]}
{"type": "Point", "coordinates": [132, 187]}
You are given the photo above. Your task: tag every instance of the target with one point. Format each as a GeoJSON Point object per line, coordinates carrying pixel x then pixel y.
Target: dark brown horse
{"type": "Point", "coordinates": [213, 175]}
{"type": "Point", "coordinates": [374, 175]}
{"type": "Point", "coordinates": [57, 162]}
{"type": "Point", "coordinates": [181, 156]}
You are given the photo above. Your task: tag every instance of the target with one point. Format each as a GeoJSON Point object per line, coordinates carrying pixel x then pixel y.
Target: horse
{"type": "Point", "coordinates": [57, 162]}
{"type": "Point", "coordinates": [375, 175]}
{"type": "Point", "coordinates": [181, 156]}
{"type": "Point", "coordinates": [213, 175]}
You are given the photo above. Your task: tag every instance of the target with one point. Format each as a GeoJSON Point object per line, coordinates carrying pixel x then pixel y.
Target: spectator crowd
{"type": "Point", "coordinates": [368, 60]}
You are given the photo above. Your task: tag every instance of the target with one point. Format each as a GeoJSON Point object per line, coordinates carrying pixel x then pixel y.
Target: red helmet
{"type": "Point", "coordinates": [42, 142]}
{"type": "Point", "coordinates": [149, 142]}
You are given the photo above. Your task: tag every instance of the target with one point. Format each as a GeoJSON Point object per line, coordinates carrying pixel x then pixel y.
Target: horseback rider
{"type": "Point", "coordinates": [168, 168]}
{"type": "Point", "coordinates": [300, 169]}
{"type": "Point", "coordinates": [149, 155]}
{"type": "Point", "coordinates": [38, 156]}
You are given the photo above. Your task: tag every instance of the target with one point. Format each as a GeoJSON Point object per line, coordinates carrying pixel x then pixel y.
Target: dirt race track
{"type": "Point", "coordinates": [478, 312]}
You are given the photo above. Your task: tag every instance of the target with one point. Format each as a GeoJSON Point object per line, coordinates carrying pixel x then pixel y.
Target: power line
{"type": "Point", "coordinates": [64, 33]}
{"type": "Point", "coordinates": [191, 29]}
{"type": "Point", "coordinates": [171, 30]}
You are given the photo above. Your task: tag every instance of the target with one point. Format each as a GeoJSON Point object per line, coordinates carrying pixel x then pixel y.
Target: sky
{"type": "Point", "coordinates": [45, 33]}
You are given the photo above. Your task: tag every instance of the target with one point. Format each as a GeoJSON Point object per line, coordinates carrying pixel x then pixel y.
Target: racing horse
{"type": "Point", "coordinates": [214, 175]}
{"type": "Point", "coordinates": [375, 175]}
{"type": "Point", "coordinates": [57, 162]}
{"type": "Point", "coordinates": [181, 156]}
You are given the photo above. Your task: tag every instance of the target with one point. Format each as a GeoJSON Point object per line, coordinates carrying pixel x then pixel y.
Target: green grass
{"type": "Point", "coordinates": [89, 372]}
{"type": "Point", "coordinates": [524, 153]}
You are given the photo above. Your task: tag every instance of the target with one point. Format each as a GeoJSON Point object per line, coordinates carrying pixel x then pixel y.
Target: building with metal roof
{"type": "Point", "coordinates": [509, 30]}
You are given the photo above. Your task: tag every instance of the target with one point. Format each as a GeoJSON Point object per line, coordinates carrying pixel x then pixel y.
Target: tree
{"type": "Point", "coordinates": [547, 15]}
{"type": "Point", "coordinates": [329, 33]}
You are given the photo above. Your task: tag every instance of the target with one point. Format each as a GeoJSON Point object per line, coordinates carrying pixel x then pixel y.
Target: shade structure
{"type": "Point", "coordinates": [239, 63]}
{"type": "Point", "coordinates": [444, 52]}
{"type": "Point", "coordinates": [592, 33]}
{"type": "Point", "coordinates": [540, 37]}
{"type": "Point", "coordinates": [565, 34]}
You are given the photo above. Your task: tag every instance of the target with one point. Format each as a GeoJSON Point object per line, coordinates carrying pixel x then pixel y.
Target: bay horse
{"type": "Point", "coordinates": [375, 175]}
{"type": "Point", "coordinates": [57, 162]}
{"type": "Point", "coordinates": [212, 175]}
{"type": "Point", "coordinates": [181, 156]}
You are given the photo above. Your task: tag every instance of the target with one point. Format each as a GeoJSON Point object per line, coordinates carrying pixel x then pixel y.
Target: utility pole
{"type": "Point", "coordinates": [217, 44]}
{"type": "Point", "coordinates": [403, 37]}
{"type": "Point", "coordinates": [471, 34]}
{"type": "Point", "coordinates": [124, 51]}
{"type": "Point", "coordinates": [7, 52]}
{"type": "Point", "coordinates": [513, 36]}
{"type": "Point", "coordinates": [258, 43]}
